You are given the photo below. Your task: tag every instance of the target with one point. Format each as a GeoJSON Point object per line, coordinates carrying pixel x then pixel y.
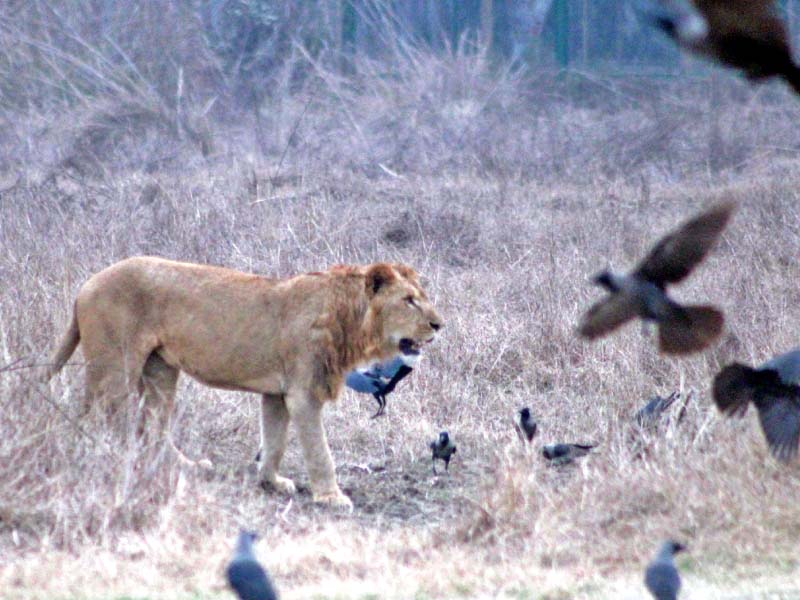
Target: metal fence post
{"type": "Point", "coordinates": [561, 15]}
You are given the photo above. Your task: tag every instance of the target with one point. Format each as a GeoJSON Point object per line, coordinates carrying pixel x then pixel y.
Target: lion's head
{"type": "Point", "coordinates": [400, 318]}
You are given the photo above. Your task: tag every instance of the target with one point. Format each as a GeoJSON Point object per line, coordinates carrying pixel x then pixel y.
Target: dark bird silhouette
{"type": "Point", "coordinates": [562, 454]}
{"type": "Point", "coordinates": [642, 292]}
{"type": "Point", "coordinates": [526, 425]}
{"type": "Point", "coordinates": [661, 576]}
{"type": "Point", "coordinates": [748, 35]}
{"type": "Point", "coordinates": [381, 379]}
{"type": "Point", "coordinates": [774, 389]}
{"type": "Point", "coordinates": [443, 449]}
{"type": "Point", "coordinates": [245, 575]}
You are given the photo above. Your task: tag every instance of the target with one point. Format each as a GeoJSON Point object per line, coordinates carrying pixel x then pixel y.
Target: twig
{"type": "Point", "coordinates": [325, 76]}
{"type": "Point", "coordinates": [285, 512]}
{"type": "Point", "coordinates": [67, 418]}
{"type": "Point", "coordinates": [13, 366]}
{"type": "Point", "coordinates": [289, 139]}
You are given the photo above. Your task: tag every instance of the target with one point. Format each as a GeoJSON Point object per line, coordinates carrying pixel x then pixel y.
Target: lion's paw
{"type": "Point", "coordinates": [282, 485]}
{"type": "Point", "coordinates": [335, 499]}
{"type": "Point", "coordinates": [203, 464]}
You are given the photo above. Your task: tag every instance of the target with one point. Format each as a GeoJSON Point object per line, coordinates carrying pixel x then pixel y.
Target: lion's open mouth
{"type": "Point", "coordinates": [408, 346]}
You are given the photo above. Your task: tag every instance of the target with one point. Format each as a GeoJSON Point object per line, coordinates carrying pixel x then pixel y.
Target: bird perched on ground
{"type": "Point", "coordinates": [381, 378]}
{"type": "Point", "coordinates": [661, 576]}
{"type": "Point", "coordinates": [774, 389]}
{"type": "Point", "coordinates": [563, 454]}
{"type": "Point", "coordinates": [245, 575]}
{"type": "Point", "coordinates": [526, 425]}
{"type": "Point", "coordinates": [650, 414]}
{"type": "Point", "coordinates": [744, 34]}
{"type": "Point", "coordinates": [642, 292]}
{"type": "Point", "coordinates": [658, 411]}
{"type": "Point", "coordinates": [442, 448]}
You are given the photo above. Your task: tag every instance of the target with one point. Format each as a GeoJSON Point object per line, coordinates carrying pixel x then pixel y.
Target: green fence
{"type": "Point", "coordinates": [579, 34]}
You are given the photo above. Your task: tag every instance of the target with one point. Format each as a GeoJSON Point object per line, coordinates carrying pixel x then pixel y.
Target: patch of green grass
{"type": "Point", "coordinates": [556, 595]}
{"type": "Point", "coordinates": [370, 596]}
{"type": "Point", "coordinates": [687, 564]}
{"type": "Point", "coordinates": [519, 593]}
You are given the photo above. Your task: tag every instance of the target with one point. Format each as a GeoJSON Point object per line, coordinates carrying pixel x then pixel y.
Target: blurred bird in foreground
{"type": "Point", "coordinates": [748, 35]}
{"type": "Point", "coordinates": [442, 448]}
{"type": "Point", "coordinates": [774, 389]}
{"type": "Point", "coordinates": [245, 575]}
{"type": "Point", "coordinates": [661, 576]}
{"type": "Point", "coordinates": [563, 454]}
{"type": "Point", "coordinates": [381, 378]}
{"type": "Point", "coordinates": [526, 425]}
{"type": "Point", "coordinates": [642, 292]}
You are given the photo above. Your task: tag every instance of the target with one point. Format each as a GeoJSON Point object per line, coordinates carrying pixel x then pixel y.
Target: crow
{"type": "Point", "coordinates": [650, 414]}
{"type": "Point", "coordinates": [661, 576]}
{"type": "Point", "coordinates": [245, 575]}
{"type": "Point", "coordinates": [642, 292]}
{"type": "Point", "coordinates": [774, 389]}
{"type": "Point", "coordinates": [381, 379]}
{"type": "Point", "coordinates": [563, 454]}
{"type": "Point", "coordinates": [748, 35]}
{"type": "Point", "coordinates": [526, 425]}
{"type": "Point", "coordinates": [443, 449]}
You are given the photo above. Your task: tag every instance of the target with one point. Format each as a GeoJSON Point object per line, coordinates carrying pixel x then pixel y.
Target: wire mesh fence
{"type": "Point", "coordinates": [607, 35]}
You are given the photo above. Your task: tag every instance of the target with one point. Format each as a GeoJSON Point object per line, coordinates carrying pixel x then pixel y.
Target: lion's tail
{"type": "Point", "coordinates": [67, 346]}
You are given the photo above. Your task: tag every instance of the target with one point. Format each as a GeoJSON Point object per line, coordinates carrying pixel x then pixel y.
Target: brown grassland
{"type": "Point", "coordinates": [507, 192]}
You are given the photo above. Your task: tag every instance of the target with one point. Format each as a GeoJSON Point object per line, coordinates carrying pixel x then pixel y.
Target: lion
{"type": "Point", "coordinates": [144, 320]}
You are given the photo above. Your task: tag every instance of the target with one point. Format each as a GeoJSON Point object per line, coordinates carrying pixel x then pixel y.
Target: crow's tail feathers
{"type": "Point", "coordinates": [792, 77]}
{"type": "Point", "coordinates": [690, 329]}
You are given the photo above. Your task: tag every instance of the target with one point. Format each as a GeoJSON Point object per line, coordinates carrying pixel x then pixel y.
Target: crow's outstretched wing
{"type": "Point", "coordinates": [676, 254]}
{"type": "Point", "coordinates": [779, 414]}
{"type": "Point", "coordinates": [606, 315]}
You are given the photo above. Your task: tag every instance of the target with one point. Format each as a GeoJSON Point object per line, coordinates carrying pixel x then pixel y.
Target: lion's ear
{"type": "Point", "coordinates": [406, 271]}
{"type": "Point", "coordinates": [379, 275]}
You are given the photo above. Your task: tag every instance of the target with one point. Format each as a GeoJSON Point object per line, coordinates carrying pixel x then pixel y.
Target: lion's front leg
{"type": "Point", "coordinates": [274, 429]}
{"type": "Point", "coordinates": [306, 414]}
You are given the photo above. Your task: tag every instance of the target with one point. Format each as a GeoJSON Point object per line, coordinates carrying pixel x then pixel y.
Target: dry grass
{"type": "Point", "coordinates": [507, 192]}
{"type": "Point", "coordinates": [90, 515]}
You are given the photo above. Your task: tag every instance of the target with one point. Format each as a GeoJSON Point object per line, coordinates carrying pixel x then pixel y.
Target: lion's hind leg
{"type": "Point", "coordinates": [104, 382]}
{"type": "Point", "coordinates": [274, 431]}
{"type": "Point", "coordinates": [115, 358]}
{"type": "Point", "coordinates": [159, 384]}
{"type": "Point", "coordinates": [111, 380]}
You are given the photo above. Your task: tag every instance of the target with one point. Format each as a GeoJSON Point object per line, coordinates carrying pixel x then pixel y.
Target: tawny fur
{"type": "Point", "coordinates": [143, 320]}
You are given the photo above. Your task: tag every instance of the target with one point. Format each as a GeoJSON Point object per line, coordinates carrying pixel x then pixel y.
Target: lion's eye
{"type": "Point", "coordinates": [411, 301]}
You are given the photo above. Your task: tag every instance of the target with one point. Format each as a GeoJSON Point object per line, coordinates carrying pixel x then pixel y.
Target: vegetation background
{"type": "Point", "coordinates": [280, 137]}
